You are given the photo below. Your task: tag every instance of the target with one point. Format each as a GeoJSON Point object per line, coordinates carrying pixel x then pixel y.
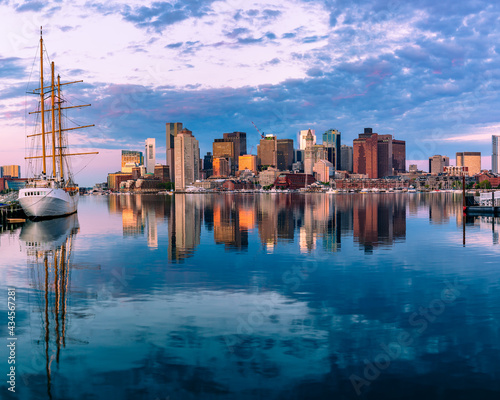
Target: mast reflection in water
{"type": "Point", "coordinates": [48, 246]}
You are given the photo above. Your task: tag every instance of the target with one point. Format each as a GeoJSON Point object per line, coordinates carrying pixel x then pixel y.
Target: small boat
{"type": "Point", "coordinates": [50, 192]}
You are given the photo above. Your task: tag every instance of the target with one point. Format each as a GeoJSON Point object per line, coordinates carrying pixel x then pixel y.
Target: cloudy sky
{"type": "Point", "coordinates": [425, 71]}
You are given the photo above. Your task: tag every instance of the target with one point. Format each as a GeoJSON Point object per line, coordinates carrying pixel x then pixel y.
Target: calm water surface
{"type": "Point", "coordinates": [271, 296]}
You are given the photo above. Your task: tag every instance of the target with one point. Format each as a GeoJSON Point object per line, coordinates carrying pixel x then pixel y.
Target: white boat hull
{"type": "Point", "coordinates": [47, 202]}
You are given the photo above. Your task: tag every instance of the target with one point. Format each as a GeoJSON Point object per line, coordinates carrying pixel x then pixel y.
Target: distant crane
{"type": "Point", "coordinates": [261, 133]}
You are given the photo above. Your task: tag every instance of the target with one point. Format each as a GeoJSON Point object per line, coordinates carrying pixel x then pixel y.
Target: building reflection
{"type": "Point", "coordinates": [48, 246]}
{"type": "Point", "coordinates": [311, 221]}
{"type": "Point", "coordinates": [184, 228]}
{"type": "Point", "coordinates": [140, 215]}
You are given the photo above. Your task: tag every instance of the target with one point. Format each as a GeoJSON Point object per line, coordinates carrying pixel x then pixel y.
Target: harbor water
{"type": "Point", "coordinates": [254, 296]}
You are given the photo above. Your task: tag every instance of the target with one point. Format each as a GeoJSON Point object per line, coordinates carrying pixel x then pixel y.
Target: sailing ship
{"type": "Point", "coordinates": [51, 193]}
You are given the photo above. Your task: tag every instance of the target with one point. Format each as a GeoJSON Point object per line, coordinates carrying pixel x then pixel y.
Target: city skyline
{"type": "Point", "coordinates": [424, 73]}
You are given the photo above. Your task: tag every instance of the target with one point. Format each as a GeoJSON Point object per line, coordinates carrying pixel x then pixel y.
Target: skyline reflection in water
{"type": "Point", "coordinates": [260, 296]}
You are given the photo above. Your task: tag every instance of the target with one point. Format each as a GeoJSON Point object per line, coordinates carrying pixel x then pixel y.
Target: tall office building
{"type": "Point", "coordinates": [378, 155]}
{"type": "Point", "coordinates": [398, 156]}
{"type": "Point", "coordinates": [150, 151]}
{"type": "Point", "coordinates": [365, 154]}
{"type": "Point", "coordinates": [221, 167]}
{"type": "Point", "coordinates": [129, 157]}
{"type": "Point", "coordinates": [346, 158]}
{"type": "Point", "coordinates": [384, 157]}
{"type": "Point", "coordinates": [285, 154]}
{"type": "Point", "coordinates": [302, 138]}
{"type": "Point", "coordinates": [248, 161]}
{"type": "Point", "coordinates": [437, 164]}
{"type": "Point", "coordinates": [240, 142]}
{"type": "Point", "coordinates": [470, 159]}
{"type": "Point", "coordinates": [207, 161]}
{"type": "Point", "coordinates": [495, 155]}
{"type": "Point", "coordinates": [173, 128]}
{"type": "Point", "coordinates": [14, 171]}
{"type": "Point", "coordinates": [187, 159]}
{"type": "Point", "coordinates": [267, 151]}
{"type": "Point", "coordinates": [331, 140]}
{"type": "Point", "coordinates": [223, 148]}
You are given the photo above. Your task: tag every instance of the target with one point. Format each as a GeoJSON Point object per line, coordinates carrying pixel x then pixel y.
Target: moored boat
{"type": "Point", "coordinates": [51, 193]}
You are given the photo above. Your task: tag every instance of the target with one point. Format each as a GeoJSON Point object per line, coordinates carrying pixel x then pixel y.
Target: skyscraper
{"type": "Point", "coordinates": [346, 158]}
{"type": "Point", "coordinates": [267, 151]}
{"type": "Point", "coordinates": [470, 159]}
{"type": "Point", "coordinates": [240, 142]}
{"type": "Point", "coordinates": [187, 159]}
{"type": "Point", "coordinates": [398, 155]}
{"type": "Point", "coordinates": [378, 155]}
{"type": "Point", "coordinates": [173, 128]}
{"type": "Point", "coordinates": [302, 138]}
{"type": "Point", "coordinates": [384, 157]}
{"type": "Point", "coordinates": [150, 150]}
{"type": "Point", "coordinates": [495, 155]}
{"type": "Point", "coordinates": [285, 154]}
{"type": "Point", "coordinates": [129, 156]}
{"type": "Point", "coordinates": [331, 140]}
{"type": "Point", "coordinates": [437, 164]}
{"type": "Point", "coordinates": [365, 154]}
{"type": "Point", "coordinates": [14, 171]}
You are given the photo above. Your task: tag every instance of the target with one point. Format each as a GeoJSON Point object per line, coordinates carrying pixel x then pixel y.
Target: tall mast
{"type": "Point", "coordinates": [44, 168]}
{"type": "Point", "coordinates": [60, 126]}
{"type": "Point", "coordinates": [52, 99]}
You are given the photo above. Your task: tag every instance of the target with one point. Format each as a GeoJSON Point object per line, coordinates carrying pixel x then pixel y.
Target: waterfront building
{"type": "Point", "coordinates": [324, 170]}
{"type": "Point", "coordinates": [378, 155]}
{"type": "Point", "coordinates": [470, 159]}
{"type": "Point", "coordinates": [128, 157]}
{"type": "Point", "coordinates": [187, 159]}
{"type": "Point", "coordinates": [221, 167]}
{"type": "Point", "coordinates": [346, 158]}
{"type": "Point", "coordinates": [162, 173]}
{"type": "Point", "coordinates": [285, 154]}
{"type": "Point", "coordinates": [384, 155]}
{"type": "Point", "coordinates": [150, 151]}
{"type": "Point", "coordinates": [240, 142]}
{"type": "Point", "coordinates": [495, 154]}
{"type": "Point", "coordinates": [365, 154]}
{"type": "Point", "coordinates": [493, 179]}
{"type": "Point", "coordinates": [437, 164]}
{"type": "Point", "coordinates": [8, 183]}
{"type": "Point", "coordinates": [302, 138]}
{"type": "Point", "coordinates": [293, 181]}
{"type": "Point", "coordinates": [173, 128]}
{"type": "Point", "coordinates": [268, 176]}
{"type": "Point", "coordinates": [247, 161]}
{"type": "Point", "coordinates": [398, 156]}
{"type": "Point", "coordinates": [453, 170]}
{"type": "Point", "coordinates": [267, 151]}
{"type": "Point", "coordinates": [14, 171]}
{"type": "Point", "coordinates": [115, 179]}
{"type": "Point", "coordinates": [331, 140]}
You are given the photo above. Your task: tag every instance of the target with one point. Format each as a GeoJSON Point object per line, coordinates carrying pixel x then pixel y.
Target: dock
{"type": "Point", "coordinates": [11, 212]}
{"type": "Point", "coordinates": [485, 204]}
